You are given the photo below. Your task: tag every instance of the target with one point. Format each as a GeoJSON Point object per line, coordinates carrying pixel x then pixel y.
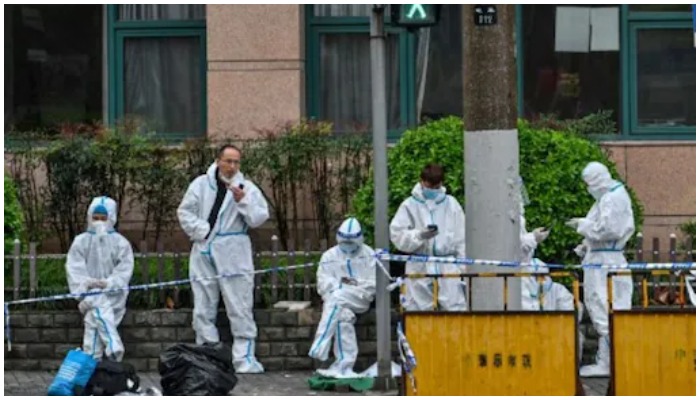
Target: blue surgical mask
{"type": "Point", "coordinates": [431, 194]}
{"type": "Point", "coordinates": [348, 247]}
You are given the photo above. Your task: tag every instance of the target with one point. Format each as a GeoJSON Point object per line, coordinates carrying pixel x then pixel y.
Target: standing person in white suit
{"type": "Point", "coordinates": [431, 222]}
{"type": "Point", "coordinates": [606, 229]}
{"type": "Point", "coordinates": [216, 213]}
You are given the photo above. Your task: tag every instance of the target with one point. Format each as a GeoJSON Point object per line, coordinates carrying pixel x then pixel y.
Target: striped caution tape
{"type": "Point", "coordinates": [386, 256]}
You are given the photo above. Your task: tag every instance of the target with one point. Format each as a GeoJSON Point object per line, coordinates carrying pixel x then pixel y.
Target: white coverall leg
{"type": "Point", "coordinates": [101, 337]}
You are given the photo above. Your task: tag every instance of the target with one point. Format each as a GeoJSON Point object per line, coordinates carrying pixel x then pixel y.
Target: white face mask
{"type": "Point", "coordinates": [100, 227]}
{"type": "Point", "coordinates": [348, 247]}
{"type": "Point", "coordinates": [597, 194]}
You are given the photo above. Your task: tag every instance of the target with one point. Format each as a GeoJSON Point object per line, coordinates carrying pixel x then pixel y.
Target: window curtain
{"type": "Point", "coordinates": [162, 76]}
{"type": "Point", "coordinates": [152, 12]}
{"type": "Point", "coordinates": [163, 89]}
{"type": "Point", "coordinates": [346, 80]}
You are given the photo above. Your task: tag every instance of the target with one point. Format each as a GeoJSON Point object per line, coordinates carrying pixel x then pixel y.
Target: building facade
{"type": "Point", "coordinates": [227, 70]}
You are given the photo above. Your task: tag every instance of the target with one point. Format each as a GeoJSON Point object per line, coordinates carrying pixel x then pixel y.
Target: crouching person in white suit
{"type": "Point", "coordinates": [346, 282]}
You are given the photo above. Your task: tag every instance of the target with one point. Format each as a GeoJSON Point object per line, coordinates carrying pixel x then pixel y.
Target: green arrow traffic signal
{"type": "Point", "coordinates": [414, 15]}
{"type": "Point", "coordinates": [416, 8]}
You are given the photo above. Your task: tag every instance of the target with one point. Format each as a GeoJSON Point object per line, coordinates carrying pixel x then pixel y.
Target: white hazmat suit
{"type": "Point", "coordinates": [408, 234]}
{"type": "Point", "coordinates": [223, 249]}
{"type": "Point", "coordinates": [346, 280]}
{"type": "Point", "coordinates": [606, 229]}
{"type": "Point", "coordinates": [555, 295]}
{"type": "Point", "coordinates": [101, 258]}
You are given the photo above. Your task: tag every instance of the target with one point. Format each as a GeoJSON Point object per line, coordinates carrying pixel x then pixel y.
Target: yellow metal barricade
{"type": "Point", "coordinates": [652, 349]}
{"type": "Point", "coordinates": [493, 353]}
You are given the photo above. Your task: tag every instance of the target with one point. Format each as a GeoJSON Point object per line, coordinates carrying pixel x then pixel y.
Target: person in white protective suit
{"type": "Point", "coordinates": [606, 229]}
{"type": "Point", "coordinates": [101, 259]}
{"type": "Point", "coordinates": [431, 222]}
{"type": "Point", "coordinates": [216, 213]}
{"type": "Point", "coordinates": [555, 295]}
{"type": "Point", "coordinates": [346, 279]}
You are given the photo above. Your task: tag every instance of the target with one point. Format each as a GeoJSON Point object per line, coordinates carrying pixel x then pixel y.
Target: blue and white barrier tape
{"type": "Point", "coordinates": [385, 256]}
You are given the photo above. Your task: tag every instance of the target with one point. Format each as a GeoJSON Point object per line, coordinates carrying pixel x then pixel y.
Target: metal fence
{"type": "Point", "coordinates": [32, 272]}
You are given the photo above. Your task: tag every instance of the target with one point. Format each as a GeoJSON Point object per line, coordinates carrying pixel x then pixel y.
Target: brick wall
{"type": "Point", "coordinates": [41, 339]}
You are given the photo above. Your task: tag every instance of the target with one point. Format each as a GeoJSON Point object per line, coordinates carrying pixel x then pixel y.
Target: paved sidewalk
{"type": "Point", "coordinates": [35, 383]}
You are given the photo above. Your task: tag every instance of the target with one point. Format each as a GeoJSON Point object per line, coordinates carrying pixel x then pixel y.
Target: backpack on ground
{"type": "Point", "coordinates": [112, 377]}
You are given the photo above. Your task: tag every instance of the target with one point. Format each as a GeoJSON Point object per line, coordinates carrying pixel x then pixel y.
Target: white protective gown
{"type": "Point", "coordinates": [413, 216]}
{"type": "Point", "coordinates": [107, 257]}
{"type": "Point", "coordinates": [227, 250]}
{"type": "Point", "coordinates": [342, 301]}
{"type": "Point", "coordinates": [606, 229]}
{"type": "Point", "coordinates": [556, 296]}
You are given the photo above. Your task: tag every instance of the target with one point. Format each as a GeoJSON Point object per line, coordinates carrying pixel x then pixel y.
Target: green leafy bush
{"type": "Point", "coordinates": [13, 216]}
{"type": "Point", "coordinates": [550, 164]}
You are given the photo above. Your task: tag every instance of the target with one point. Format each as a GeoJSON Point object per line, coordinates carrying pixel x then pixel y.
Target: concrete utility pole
{"type": "Point", "coordinates": [491, 151]}
{"type": "Point", "coordinates": [381, 194]}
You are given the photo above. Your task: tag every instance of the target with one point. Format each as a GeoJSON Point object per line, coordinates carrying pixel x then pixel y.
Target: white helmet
{"type": "Point", "coordinates": [349, 236]}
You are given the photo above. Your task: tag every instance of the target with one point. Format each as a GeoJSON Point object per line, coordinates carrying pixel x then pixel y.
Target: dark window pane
{"type": "Point", "coordinates": [661, 7]}
{"type": "Point", "coordinates": [666, 77]}
{"type": "Point", "coordinates": [566, 85]}
{"type": "Point", "coordinates": [346, 85]}
{"type": "Point", "coordinates": [439, 54]}
{"type": "Point", "coordinates": [53, 65]}
{"type": "Point", "coordinates": [343, 10]}
{"type": "Point", "coordinates": [162, 83]}
{"type": "Point", "coordinates": [154, 12]}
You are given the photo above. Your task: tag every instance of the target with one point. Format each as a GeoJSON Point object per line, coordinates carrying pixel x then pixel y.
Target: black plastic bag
{"type": "Point", "coordinates": [194, 370]}
{"type": "Point", "coordinates": [112, 377]}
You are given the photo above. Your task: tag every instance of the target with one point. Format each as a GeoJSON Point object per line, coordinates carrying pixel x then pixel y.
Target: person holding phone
{"type": "Point", "coordinates": [216, 213]}
{"type": "Point", "coordinates": [346, 279]}
{"type": "Point", "coordinates": [431, 222]}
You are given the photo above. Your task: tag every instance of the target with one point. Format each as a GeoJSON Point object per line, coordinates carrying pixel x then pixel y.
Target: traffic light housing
{"type": "Point", "coordinates": [415, 15]}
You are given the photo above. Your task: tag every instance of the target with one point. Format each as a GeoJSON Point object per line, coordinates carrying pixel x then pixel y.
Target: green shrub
{"type": "Point", "coordinates": [14, 227]}
{"type": "Point", "coordinates": [550, 164]}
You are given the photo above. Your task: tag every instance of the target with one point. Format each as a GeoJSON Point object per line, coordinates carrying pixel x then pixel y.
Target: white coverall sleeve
{"type": "Point", "coordinates": [326, 281]}
{"type": "Point", "coordinates": [121, 275]}
{"type": "Point", "coordinates": [253, 208]}
{"type": "Point", "coordinates": [368, 281]}
{"type": "Point", "coordinates": [610, 225]}
{"type": "Point", "coordinates": [528, 244]}
{"type": "Point", "coordinates": [403, 233]}
{"type": "Point", "coordinates": [188, 214]}
{"type": "Point", "coordinates": [76, 267]}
